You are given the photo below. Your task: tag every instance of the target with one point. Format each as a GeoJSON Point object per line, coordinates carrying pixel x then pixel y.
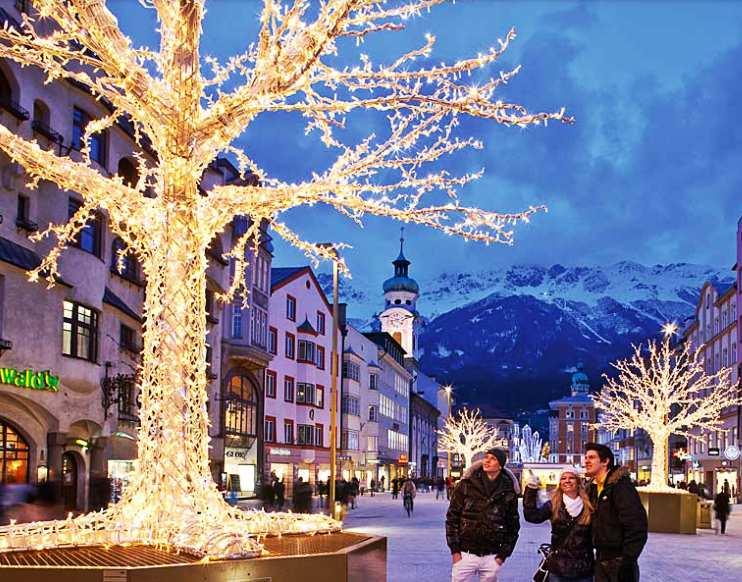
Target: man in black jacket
{"type": "Point", "coordinates": [482, 522]}
{"type": "Point", "coordinates": [619, 522]}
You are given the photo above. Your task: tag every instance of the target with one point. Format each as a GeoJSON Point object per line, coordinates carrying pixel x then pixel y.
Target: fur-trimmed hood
{"type": "Point", "coordinates": [476, 465]}
{"type": "Point", "coordinates": [614, 475]}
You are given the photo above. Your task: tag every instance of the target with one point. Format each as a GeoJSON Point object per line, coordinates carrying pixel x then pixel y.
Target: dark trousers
{"type": "Point", "coordinates": [723, 525]}
{"type": "Point", "coordinates": [614, 570]}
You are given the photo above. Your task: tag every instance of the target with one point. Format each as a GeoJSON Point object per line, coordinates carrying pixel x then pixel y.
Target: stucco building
{"type": "Point", "coordinates": [570, 421]}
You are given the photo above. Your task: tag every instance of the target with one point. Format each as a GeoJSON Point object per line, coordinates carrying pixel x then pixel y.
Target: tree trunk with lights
{"type": "Point", "coordinates": [659, 477]}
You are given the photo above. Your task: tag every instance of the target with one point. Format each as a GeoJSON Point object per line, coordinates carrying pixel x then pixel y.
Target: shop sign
{"type": "Point", "coordinates": [237, 454]}
{"type": "Point", "coordinates": [30, 379]}
{"type": "Point", "coordinates": [402, 459]}
{"type": "Point", "coordinates": [713, 451]}
{"type": "Point", "coordinates": [280, 452]}
{"type": "Point", "coordinates": [732, 452]}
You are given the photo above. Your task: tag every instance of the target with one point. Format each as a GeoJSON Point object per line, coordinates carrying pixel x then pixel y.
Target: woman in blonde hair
{"type": "Point", "coordinates": [570, 511]}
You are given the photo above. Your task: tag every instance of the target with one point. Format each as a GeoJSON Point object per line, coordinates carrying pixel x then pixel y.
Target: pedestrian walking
{"type": "Point", "coordinates": [440, 486]}
{"type": "Point", "coordinates": [570, 557]}
{"type": "Point", "coordinates": [354, 489]}
{"type": "Point", "coordinates": [408, 496]}
{"type": "Point", "coordinates": [373, 487]}
{"type": "Point", "coordinates": [449, 487]}
{"type": "Point", "coordinates": [280, 488]}
{"type": "Point", "coordinates": [619, 523]}
{"type": "Point", "coordinates": [381, 483]}
{"type": "Point", "coordinates": [395, 488]}
{"type": "Point", "coordinates": [482, 522]}
{"type": "Point", "coordinates": [722, 509]}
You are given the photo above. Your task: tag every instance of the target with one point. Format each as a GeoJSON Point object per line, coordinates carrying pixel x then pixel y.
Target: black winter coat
{"type": "Point", "coordinates": [482, 524]}
{"type": "Point", "coordinates": [571, 542]}
{"type": "Point", "coordinates": [619, 523]}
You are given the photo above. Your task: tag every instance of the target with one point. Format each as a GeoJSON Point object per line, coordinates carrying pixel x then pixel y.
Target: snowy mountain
{"type": "Point", "coordinates": [506, 338]}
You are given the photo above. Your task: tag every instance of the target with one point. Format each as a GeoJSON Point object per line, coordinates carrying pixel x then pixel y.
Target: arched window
{"type": "Point", "coordinates": [41, 112]}
{"type": "Point", "coordinates": [128, 172]}
{"type": "Point", "coordinates": [9, 98]}
{"type": "Point", "coordinates": [14, 453]}
{"type": "Point", "coordinates": [6, 91]}
{"type": "Point", "coordinates": [127, 267]}
{"type": "Point", "coordinates": [241, 408]}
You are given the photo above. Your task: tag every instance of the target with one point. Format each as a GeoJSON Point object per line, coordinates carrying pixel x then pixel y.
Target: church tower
{"type": "Point", "coordinates": [400, 318]}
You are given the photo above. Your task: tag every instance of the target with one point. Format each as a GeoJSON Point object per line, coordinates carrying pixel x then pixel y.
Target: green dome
{"type": "Point", "coordinates": [401, 284]}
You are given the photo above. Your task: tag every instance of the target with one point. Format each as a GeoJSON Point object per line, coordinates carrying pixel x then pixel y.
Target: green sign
{"type": "Point", "coordinates": [30, 379]}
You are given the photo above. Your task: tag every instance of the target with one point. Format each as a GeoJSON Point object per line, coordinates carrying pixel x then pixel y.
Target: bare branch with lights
{"type": "Point", "coordinates": [467, 434]}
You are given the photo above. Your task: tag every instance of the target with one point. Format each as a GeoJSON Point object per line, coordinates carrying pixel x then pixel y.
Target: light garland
{"type": "Point", "coordinates": [467, 434]}
{"type": "Point", "coordinates": [665, 390]}
{"type": "Point", "coordinates": [188, 119]}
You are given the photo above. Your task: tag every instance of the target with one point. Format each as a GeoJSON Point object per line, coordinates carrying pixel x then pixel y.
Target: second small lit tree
{"type": "Point", "coordinates": [467, 434]}
{"type": "Point", "coordinates": [665, 390]}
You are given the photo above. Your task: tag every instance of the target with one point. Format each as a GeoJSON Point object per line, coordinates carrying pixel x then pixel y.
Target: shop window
{"type": "Point", "coordinates": [14, 456]}
{"type": "Point", "coordinates": [80, 331]}
{"type": "Point", "coordinates": [240, 410]}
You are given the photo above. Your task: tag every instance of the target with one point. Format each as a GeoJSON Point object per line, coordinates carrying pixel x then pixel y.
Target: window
{"type": "Point", "coordinates": [270, 429]}
{"type": "Point", "coordinates": [305, 393]}
{"type": "Point", "coordinates": [396, 440]}
{"type": "Point", "coordinates": [320, 396]}
{"type": "Point", "coordinates": [127, 398]}
{"type": "Point", "coordinates": [288, 432]}
{"type": "Point", "coordinates": [373, 414]}
{"type": "Point", "coordinates": [320, 323]}
{"type": "Point", "coordinates": [734, 352]}
{"type": "Point", "coordinates": [306, 352]}
{"type": "Point", "coordinates": [97, 143]}
{"type": "Point", "coordinates": [23, 6]}
{"type": "Point", "coordinates": [258, 326]}
{"type": "Point", "coordinates": [351, 405]}
{"type": "Point", "coordinates": [270, 384]}
{"type": "Point", "coordinates": [237, 319]}
{"type": "Point", "coordinates": [351, 370]}
{"type": "Point", "coordinates": [240, 407]}
{"type": "Point", "coordinates": [373, 381]}
{"type": "Point", "coordinates": [320, 357]}
{"type": "Point", "coordinates": [89, 238]}
{"type": "Point", "coordinates": [290, 346]}
{"type": "Point", "coordinates": [273, 340]}
{"type": "Point", "coordinates": [319, 438]}
{"type": "Point", "coordinates": [349, 440]}
{"type": "Point", "coordinates": [291, 307]}
{"type": "Point", "coordinates": [288, 389]}
{"type": "Point", "coordinates": [14, 456]}
{"type": "Point", "coordinates": [80, 332]}
{"type": "Point", "coordinates": [373, 443]}
{"type": "Point", "coordinates": [211, 307]}
{"type": "Point", "coordinates": [23, 214]}
{"type": "Point", "coordinates": [128, 338]}
{"type": "Point", "coordinates": [569, 413]}
{"type": "Point", "coordinates": [305, 434]}
{"type": "Point", "coordinates": [122, 262]}
{"type": "Point", "coordinates": [401, 385]}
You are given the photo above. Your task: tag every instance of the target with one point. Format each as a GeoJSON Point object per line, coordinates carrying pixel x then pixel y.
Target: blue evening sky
{"type": "Point", "coordinates": [651, 171]}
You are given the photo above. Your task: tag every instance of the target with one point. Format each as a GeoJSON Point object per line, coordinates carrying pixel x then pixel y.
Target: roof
{"type": "Point", "coordinates": [351, 352]}
{"type": "Point", "coordinates": [115, 301]}
{"type": "Point", "coordinates": [373, 364]}
{"type": "Point", "coordinates": [578, 399]}
{"type": "Point", "coordinates": [21, 257]}
{"type": "Point", "coordinates": [401, 284]}
{"type": "Point", "coordinates": [280, 275]}
{"type": "Point", "coordinates": [306, 327]}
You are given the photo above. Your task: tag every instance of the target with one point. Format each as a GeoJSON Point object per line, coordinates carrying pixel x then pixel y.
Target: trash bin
{"type": "Point", "coordinates": [704, 517]}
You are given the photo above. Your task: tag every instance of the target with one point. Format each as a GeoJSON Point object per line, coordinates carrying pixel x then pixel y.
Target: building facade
{"type": "Point", "coordinates": [68, 389]}
{"type": "Point", "coordinates": [298, 380]}
{"type": "Point", "coordinates": [714, 333]}
{"type": "Point", "coordinates": [571, 420]}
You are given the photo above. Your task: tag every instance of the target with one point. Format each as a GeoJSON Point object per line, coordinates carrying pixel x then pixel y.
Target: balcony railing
{"type": "Point", "coordinates": [40, 127]}
{"type": "Point", "coordinates": [15, 109]}
{"type": "Point", "coordinates": [27, 224]}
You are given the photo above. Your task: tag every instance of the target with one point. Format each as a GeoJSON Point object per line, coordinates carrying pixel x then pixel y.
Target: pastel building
{"type": "Point", "coordinates": [298, 379]}
{"type": "Point", "coordinates": [570, 421]}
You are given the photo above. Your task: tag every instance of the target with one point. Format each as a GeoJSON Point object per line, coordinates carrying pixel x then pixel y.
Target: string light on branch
{"type": "Point", "coordinates": [467, 434]}
{"type": "Point", "coordinates": [182, 118]}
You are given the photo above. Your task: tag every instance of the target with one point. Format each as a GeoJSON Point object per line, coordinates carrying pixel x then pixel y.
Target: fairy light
{"type": "Point", "coordinates": [188, 117]}
{"type": "Point", "coordinates": [664, 390]}
{"type": "Point", "coordinates": [467, 434]}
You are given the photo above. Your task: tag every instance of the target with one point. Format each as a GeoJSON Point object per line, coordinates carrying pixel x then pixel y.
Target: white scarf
{"type": "Point", "coordinates": [573, 506]}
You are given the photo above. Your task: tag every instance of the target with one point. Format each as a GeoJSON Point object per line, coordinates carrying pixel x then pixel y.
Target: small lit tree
{"type": "Point", "coordinates": [665, 390]}
{"type": "Point", "coordinates": [184, 109]}
{"type": "Point", "coordinates": [467, 434]}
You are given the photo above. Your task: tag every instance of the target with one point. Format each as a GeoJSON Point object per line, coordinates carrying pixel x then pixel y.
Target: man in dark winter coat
{"type": "Point", "coordinates": [482, 522]}
{"type": "Point", "coordinates": [619, 522]}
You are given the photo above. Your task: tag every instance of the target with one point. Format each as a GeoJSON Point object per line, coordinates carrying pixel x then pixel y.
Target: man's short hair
{"type": "Point", "coordinates": [604, 453]}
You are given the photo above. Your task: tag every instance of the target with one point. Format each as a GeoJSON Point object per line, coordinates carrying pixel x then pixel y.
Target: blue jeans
{"type": "Point", "coordinates": [555, 578]}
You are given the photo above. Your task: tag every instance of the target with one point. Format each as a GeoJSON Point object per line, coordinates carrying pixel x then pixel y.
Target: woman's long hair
{"type": "Point", "coordinates": [556, 503]}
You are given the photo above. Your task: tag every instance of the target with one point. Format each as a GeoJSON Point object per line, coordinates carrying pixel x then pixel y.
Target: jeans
{"type": "Point", "coordinates": [555, 578]}
{"type": "Point", "coordinates": [473, 568]}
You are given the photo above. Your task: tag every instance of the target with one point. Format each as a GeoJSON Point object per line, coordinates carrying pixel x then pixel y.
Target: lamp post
{"type": "Point", "coordinates": [448, 390]}
{"type": "Point", "coordinates": [334, 366]}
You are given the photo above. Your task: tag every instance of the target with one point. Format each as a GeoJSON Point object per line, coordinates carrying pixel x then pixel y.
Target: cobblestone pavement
{"type": "Point", "coordinates": [417, 550]}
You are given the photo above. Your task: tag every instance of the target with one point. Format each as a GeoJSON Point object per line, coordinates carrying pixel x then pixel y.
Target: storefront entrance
{"type": "Point", "coordinates": [14, 455]}
{"type": "Point", "coordinates": [69, 481]}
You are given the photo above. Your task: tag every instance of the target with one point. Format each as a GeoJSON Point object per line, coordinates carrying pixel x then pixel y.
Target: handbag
{"type": "Point", "coordinates": [542, 572]}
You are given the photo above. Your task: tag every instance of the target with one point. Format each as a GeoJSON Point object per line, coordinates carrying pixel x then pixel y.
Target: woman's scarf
{"type": "Point", "coordinates": [573, 506]}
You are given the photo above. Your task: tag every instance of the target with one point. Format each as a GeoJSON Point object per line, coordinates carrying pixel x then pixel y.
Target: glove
{"type": "Point", "coordinates": [533, 482]}
{"type": "Point", "coordinates": [628, 571]}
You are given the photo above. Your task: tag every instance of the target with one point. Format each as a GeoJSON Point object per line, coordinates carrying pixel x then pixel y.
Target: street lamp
{"type": "Point", "coordinates": [448, 390]}
{"type": "Point", "coordinates": [334, 361]}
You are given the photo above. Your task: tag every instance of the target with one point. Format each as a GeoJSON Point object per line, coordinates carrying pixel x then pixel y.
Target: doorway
{"type": "Point", "coordinates": [69, 480]}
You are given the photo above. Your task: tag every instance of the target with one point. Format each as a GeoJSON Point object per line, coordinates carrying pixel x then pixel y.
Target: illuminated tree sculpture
{"type": "Point", "coordinates": [187, 117]}
{"type": "Point", "coordinates": [467, 434]}
{"type": "Point", "coordinates": [665, 390]}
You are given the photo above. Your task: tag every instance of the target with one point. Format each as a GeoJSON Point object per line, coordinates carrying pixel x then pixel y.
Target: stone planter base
{"type": "Point", "coordinates": [670, 512]}
{"type": "Point", "coordinates": [339, 557]}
